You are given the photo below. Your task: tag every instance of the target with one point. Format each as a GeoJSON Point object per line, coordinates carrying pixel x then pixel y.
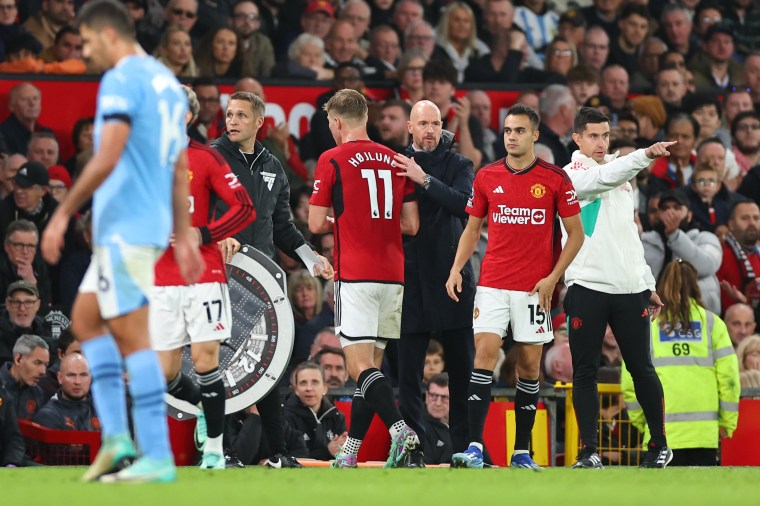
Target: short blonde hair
{"type": "Point", "coordinates": [257, 105]}
{"type": "Point", "coordinates": [349, 105]}
{"type": "Point", "coordinates": [301, 278]}
{"type": "Point", "coordinates": [746, 346]}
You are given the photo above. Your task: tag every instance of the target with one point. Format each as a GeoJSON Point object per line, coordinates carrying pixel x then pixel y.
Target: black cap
{"type": "Point", "coordinates": [32, 173]}
{"type": "Point", "coordinates": [574, 17]}
{"type": "Point", "coordinates": [673, 196]}
{"type": "Point", "coordinates": [718, 28]}
{"type": "Point", "coordinates": [22, 41]}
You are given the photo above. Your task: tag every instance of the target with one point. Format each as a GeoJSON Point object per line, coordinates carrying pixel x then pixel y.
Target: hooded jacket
{"type": "Point", "coordinates": [267, 185]}
{"type": "Point", "coordinates": [26, 400]}
{"type": "Point", "coordinates": [12, 448]}
{"type": "Point", "coordinates": [428, 256]}
{"type": "Point", "coordinates": [318, 429]}
{"type": "Point", "coordinates": [64, 414]}
{"type": "Point", "coordinates": [611, 259]}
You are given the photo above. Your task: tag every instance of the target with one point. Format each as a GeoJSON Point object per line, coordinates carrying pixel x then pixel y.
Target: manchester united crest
{"type": "Point", "coordinates": [538, 190]}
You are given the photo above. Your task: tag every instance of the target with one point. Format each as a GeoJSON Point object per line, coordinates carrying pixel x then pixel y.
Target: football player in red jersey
{"type": "Point", "coordinates": [200, 314]}
{"type": "Point", "coordinates": [374, 204]}
{"type": "Point", "coordinates": [519, 195]}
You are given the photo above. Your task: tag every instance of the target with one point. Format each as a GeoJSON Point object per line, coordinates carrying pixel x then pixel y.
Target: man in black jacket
{"type": "Point", "coordinates": [437, 441]}
{"type": "Point", "coordinates": [20, 377]}
{"type": "Point", "coordinates": [12, 448]}
{"type": "Point", "coordinates": [71, 408]}
{"type": "Point", "coordinates": [20, 317]}
{"type": "Point", "coordinates": [444, 182]}
{"type": "Point", "coordinates": [262, 175]}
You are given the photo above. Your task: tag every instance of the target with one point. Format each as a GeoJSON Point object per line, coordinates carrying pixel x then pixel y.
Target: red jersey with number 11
{"type": "Point", "coordinates": [359, 180]}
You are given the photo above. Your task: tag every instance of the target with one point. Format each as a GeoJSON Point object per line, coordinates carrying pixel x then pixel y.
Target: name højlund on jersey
{"type": "Point", "coordinates": [518, 215]}
{"type": "Point", "coordinates": [369, 156]}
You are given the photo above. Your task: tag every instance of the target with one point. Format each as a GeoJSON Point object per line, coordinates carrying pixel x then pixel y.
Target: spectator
{"type": "Point", "coordinates": [648, 63]}
{"type": "Point", "coordinates": [741, 257]}
{"type": "Point", "coordinates": [12, 448]}
{"type": "Point", "coordinates": [219, 54]}
{"type": "Point", "coordinates": [71, 408]}
{"type": "Point", "coordinates": [66, 344]}
{"type": "Point", "coordinates": [735, 101]}
{"type": "Point", "coordinates": [342, 46]}
{"type": "Point", "coordinates": [12, 165]}
{"type": "Point", "coordinates": [21, 261]}
{"type": "Point", "coordinates": [439, 79]}
{"type": "Point", "coordinates": [742, 19]}
{"type": "Point", "coordinates": [493, 142]}
{"type": "Point", "coordinates": [318, 18]}
{"type": "Point", "coordinates": [714, 66]}
{"type": "Point", "coordinates": [706, 383]}
{"type": "Point", "coordinates": [406, 12]}
{"type": "Point", "coordinates": [180, 13]}
{"type": "Point", "coordinates": [538, 19]}
{"type": "Point", "coordinates": [43, 149]}
{"type": "Point", "coordinates": [325, 246]}
{"type": "Point", "coordinates": [712, 153]}
{"type": "Point", "coordinates": [256, 49]}
{"type": "Point", "coordinates": [558, 363]}
{"type": "Point", "coordinates": [280, 22]}
{"type": "Point", "coordinates": [25, 104]}
{"type": "Point", "coordinates": [710, 209]}
{"type": "Point", "coordinates": [634, 27]}
{"type": "Point", "coordinates": [675, 171]}
{"type": "Point", "coordinates": [706, 15]}
{"type": "Point", "coordinates": [333, 364]}
{"type": "Point", "coordinates": [583, 82]}
{"type": "Point", "coordinates": [305, 294]}
{"type": "Point", "coordinates": [604, 14]}
{"type": "Point", "coordinates": [437, 441]}
{"type": "Point", "coordinates": [60, 182]}
{"type": "Point", "coordinates": [20, 377]}
{"type": "Point", "coordinates": [9, 25]}
{"type": "Point", "coordinates": [560, 56]}
{"type": "Point", "coordinates": [745, 132]}
{"type": "Point", "coordinates": [67, 46]}
{"type": "Point", "coordinates": [748, 353]}
{"type": "Point", "coordinates": [326, 338]}
{"type": "Point", "coordinates": [676, 236]}
{"type": "Point", "coordinates": [651, 115]}
{"type": "Point", "coordinates": [595, 48]}
{"type": "Point", "coordinates": [31, 199]}
{"type": "Point", "coordinates": [392, 124]}
{"type": "Point", "coordinates": [505, 62]}
{"type": "Point", "coordinates": [434, 361]}
{"type": "Point", "coordinates": [458, 38]}
{"type": "Point", "coordinates": [419, 36]}
{"type": "Point", "coordinates": [306, 60]}
{"type": "Point", "coordinates": [627, 129]}
{"type": "Point", "coordinates": [312, 415]}
{"type": "Point", "coordinates": [210, 122]}
{"type": "Point", "coordinates": [572, 26]}
{"type": "Point", "coordinates": [176, 52]}
{"type": "Point", "coordinates": [53, 15]}
{"type": "Point", "coordinates": [20, 317]}
{"type": "Point", "coordinates": [384, 54]}
{"type": "Point", "coordinates": [410, 85]}
{"type": "Point", "coordinates": [740, 321]}
{"type": "Point", "coordinates": [615, 86]}
{"type": "Point", "coordinates": [751, 77]}
{"type": "Point", "coordinates": [299, 207]}
{"type": "Point", "coordinates": [358, 13]}
{"type": "Point", "coordinates": [676, 24]}
{"type": "Point", "coordinates": [750, 379]}
{"type": "Point", "coordinates": [81, 137]}
{"type": "Point", "coordinates": [557, 108]}
{"type": "Point", "coordinates": [706, 109]}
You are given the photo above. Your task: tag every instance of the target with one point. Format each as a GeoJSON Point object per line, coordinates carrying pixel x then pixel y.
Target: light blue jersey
{"type": "Point", "coordinates": [134, 204]}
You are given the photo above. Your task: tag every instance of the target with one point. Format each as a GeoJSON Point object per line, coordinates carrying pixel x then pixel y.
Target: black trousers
{"type": "Point", "coordinates": [459, 353]}
{"type": "Point", "coordinates": [695, 457]}
{"type": "Point", "coordinates": [589, 312]}
{"type": "Point", "coordinates": [272, 420]}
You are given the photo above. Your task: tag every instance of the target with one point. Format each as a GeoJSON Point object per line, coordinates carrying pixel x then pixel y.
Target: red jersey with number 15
{"type": "Point", "coordinates": [359, 180]}
{"type": "Point", "coordinates": [209, 178]}
{"type": "Point", "coordinates": [520, 207]}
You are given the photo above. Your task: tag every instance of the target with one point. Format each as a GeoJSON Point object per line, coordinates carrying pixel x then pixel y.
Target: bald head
{"type": "Point", "coordinates": [425, 125]}
{"type": "Point", "coordinates": [250, 85]}
{"type": "Point", "coordinates": [74, 377]}
{"type": "Point", "coordinates": [740, 320]}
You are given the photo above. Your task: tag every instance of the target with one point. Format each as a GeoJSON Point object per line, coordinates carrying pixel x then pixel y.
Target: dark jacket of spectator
{"type": "Point", "coordinates": [429, 254]}
{"type": "Point", "coordinates": [244, 436]}
{"type": "Point", "coordinates": [17, 136]}
{"type": "Point", "coordinates": [551, 140]}
{"type": "Point", "coordinates": [273, 226]}
{"type": "Point", "coordinates": [437, 444]}
{"type": "Point", "coordinates": [750, 186]}
{"type": "Point", "coordinates": [481, 70]}
{"type": "Point", "coordinates": [26, 400]}
{"type": "Point", "coordinates": [317, 429]}
{"type": "Point", "coordinates": [65, 414]}
{"type": "Point", "coordinates": [9, 334]}
{"type": "Point", "coordinates": [306, 332]}
{"type": "Point", "coordinates": [10, 212]}
{"type": "Point", "coordinates": [12, 448]}
{"type": "Point", "coordinates": [41, 272]}
{"type": "Point", "coordinates": [721, 206]}
{"type": "Point", "coordinates": [662, 178]}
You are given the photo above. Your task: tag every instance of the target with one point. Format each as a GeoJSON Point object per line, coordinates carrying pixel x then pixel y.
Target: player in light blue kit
{"type": "Point", "coordinates": [139, 178]}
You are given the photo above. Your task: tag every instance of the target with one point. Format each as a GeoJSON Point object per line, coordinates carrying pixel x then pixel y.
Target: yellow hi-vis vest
{"type": "Point", "coordinates": [699, 372]}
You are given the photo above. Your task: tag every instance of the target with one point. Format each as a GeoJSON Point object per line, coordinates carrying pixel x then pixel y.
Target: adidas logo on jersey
{"type": "Point", "coordinates": [269, 179]}
{"type": "Point", "coordinates": [219, 326]}
{"type": "Point", "coordinates": [530, 407]}
{"type": "Point", "coordinates": [540, 330]}
{"type": "Point", "coordinates": [474, 397]}
{"type": "Point", "coordinates": [499, 189]}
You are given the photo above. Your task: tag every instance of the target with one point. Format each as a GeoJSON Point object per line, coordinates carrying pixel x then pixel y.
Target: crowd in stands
{"type": "Point", "coordinates": [686, 71]}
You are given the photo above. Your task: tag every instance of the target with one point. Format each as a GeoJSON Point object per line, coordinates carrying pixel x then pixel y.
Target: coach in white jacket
{"type": "Point", "coordinates": [610, 283]}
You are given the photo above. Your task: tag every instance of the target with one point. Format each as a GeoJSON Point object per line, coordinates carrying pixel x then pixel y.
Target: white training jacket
{"type": "Point", "coordinates": [611, 259]}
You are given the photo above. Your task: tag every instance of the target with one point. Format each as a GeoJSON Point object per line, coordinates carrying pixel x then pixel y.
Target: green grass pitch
{"type": "Point", "coordinates": [360, 487]}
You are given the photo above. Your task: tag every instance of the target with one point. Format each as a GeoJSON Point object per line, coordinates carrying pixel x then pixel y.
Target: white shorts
{"type": "Point", "coordinates": [368, 312]}
{"type": "Point", "coordinates": [121, 276]}
{"type": "Point", "coordinates": [495, 309]}
{"type": "Point", "coordinates": [182, 315]}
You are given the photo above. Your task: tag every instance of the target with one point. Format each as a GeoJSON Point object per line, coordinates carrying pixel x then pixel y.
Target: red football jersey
{"type": "Point", "coordinates": [210, 178]}
{"type": "Point", "coordinates": [359, 180]}
{"type": "Point", "coordinates": [520, 209]}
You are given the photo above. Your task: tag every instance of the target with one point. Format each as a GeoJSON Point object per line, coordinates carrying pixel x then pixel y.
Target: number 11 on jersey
{"type": "Point", "coordinates": [371, 176]}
